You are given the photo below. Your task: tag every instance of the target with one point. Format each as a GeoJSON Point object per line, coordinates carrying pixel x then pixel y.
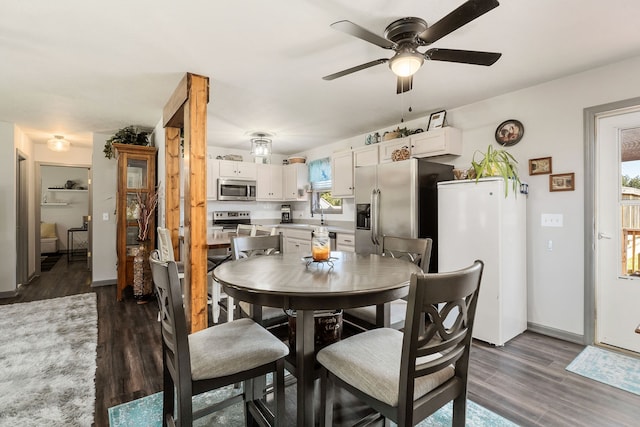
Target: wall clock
{"type": "Point", "coordinates": [509, 132]}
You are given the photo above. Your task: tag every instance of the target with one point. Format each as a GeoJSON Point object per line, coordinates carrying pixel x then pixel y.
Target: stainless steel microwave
{"type": "Point", "coordinates": [235, 189]}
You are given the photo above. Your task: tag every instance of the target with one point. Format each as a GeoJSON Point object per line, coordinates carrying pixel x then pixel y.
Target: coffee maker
{"type": "Point", "coordinates": [285, 214]}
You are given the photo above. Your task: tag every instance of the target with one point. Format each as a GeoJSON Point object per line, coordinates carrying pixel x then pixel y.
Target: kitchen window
{"type": "Point", "coordinates": [320, 177]}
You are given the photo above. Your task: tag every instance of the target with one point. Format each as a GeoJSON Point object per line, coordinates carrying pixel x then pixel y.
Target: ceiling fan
{"type": "Point", "coordinates": [404, 36]}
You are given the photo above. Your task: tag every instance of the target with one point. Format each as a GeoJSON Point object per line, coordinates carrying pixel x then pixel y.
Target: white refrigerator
{"type": "Point", "coordinates": [477, 221]}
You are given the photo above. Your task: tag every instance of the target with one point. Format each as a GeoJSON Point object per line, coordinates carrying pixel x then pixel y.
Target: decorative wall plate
{"type": "Point", "coordinates": [509, 132]}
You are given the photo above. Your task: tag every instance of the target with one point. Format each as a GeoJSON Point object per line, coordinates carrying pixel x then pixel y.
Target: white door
{"type": "Point", "coordinates": [617, 232]}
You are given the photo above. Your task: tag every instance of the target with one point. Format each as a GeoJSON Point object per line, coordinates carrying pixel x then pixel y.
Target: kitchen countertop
{"type": "Point", "coordinates": [310, 227]}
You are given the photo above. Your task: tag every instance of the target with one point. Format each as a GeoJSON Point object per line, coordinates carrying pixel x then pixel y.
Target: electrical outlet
{"type": "Point", "coordinates": [551, 220]}
{"type": "Point", "coordinates": [105, 216]}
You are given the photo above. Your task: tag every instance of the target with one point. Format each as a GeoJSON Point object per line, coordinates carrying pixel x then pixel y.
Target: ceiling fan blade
{"type": "Point", "coordinates": [354, 69]}
{"type": "Point", "coordinates": [404, 84]}
{"type": "Point", "coordinates": [464, 14]}
{"type": "Point", "coordinates": [362, 33]}
{"type": "Point", "coordinates": [463, 56]}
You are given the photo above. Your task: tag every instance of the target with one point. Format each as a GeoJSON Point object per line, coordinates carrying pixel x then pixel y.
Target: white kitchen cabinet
{"type": "Point", "coordinates": [238, 170]}
{"type": "Point", "coordinates": [213, 173]}
{"type": "Point", "coordinates": [269, 182]}
{"type": "Point", "coordinates": [387, 148]}
{"type": "Point", "coordinates": [366, 156]}
{"type": "Point", "coordinates": [342, 174]}
{"type": "Point", "coordinates": [295, 182]}
{"type": "Point", "coordinates": [437, 142]}
{"type": "Point", "coordinates": [345, 242]}
{"type": "Point", "coordinates": [297, 241]}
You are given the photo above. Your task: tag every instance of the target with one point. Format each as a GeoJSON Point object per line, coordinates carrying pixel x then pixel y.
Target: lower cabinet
{"type": "Point", "coordinates": [297, 241]}
{"type": "Point", "coordinates": [345, 242]}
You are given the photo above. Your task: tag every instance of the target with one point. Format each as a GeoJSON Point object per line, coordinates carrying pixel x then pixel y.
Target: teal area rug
{"type": "Point", "coordinates": [615, 369]}
{"type": "Point", "coordinates": [147, 412]}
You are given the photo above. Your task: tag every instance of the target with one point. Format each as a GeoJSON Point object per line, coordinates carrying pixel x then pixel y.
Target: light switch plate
{"type": "Point", "coordinates": [551, 220]}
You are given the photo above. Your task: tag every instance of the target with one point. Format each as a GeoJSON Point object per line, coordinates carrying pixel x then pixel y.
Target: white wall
{"type": "Point", "coordinates": [104, 202]}
{"type": "Point", "coordinates": [7, 209]}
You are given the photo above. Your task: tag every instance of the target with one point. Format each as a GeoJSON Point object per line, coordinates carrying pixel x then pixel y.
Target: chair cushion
{"type": "Point", "coordinates": [232, 347]}
{"type": "Point", "coordinates": [397, 309]}
{"type": "Point", "coordinates": [370, 361]}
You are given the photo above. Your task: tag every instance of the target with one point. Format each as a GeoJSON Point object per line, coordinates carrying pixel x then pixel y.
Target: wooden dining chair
{"type": "Point", "coordinates": [211, 358]}
{"type": "Point", "coordinates": [245, 247]}
{"type": "Point", "coordinates": [417, 251]}
{"type": "Point", "coordinates": [407, 376]}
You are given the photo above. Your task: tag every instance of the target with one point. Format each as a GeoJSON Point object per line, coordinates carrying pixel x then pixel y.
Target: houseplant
{"type": "Point", "coordinates": [126, 135]}
{"type": "Point", "coordinates": [497, 163]}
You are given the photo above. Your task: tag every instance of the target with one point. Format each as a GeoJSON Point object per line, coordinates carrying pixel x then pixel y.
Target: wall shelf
{"type": "Point", "coordinates": [54, 204]}
{"type": "Point", "coordinates": [64, 190]}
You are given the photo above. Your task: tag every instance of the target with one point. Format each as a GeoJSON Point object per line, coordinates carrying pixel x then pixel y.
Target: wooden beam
{"type": "Point", "coordinates": [187, 108]}
{"type": "Point", "coordinates": [195, 173]}
{"type": "Point", "coordinates": [173, 113]}
{"type": "Point", "coordinates": [172, 186]}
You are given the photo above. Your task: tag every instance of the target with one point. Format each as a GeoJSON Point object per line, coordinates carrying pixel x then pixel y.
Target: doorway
{"type": "Point", "coordinates": [612, 224]}
{"type": "Point", "coordinates": [22, 224]}
{"type": "Point", "coordinates": [64, 192]}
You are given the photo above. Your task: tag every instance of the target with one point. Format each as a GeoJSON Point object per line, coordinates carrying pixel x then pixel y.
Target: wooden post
{"type": "Point", "coordinates": [187, 108]}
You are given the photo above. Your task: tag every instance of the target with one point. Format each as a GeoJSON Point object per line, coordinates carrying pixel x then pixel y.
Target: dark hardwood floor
{"type": "Point", "coordinates": [524, 381]}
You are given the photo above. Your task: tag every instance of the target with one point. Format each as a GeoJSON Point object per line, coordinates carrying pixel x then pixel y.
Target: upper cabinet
{"type": "Point", "coordinates": [437, 142]}
{"type": "Point", "coordinates": [269, 182]}
{"type": "Point", "coordinates": [342, 174]}
{"type": "Point", "coordinates": [387, 148]}
{"type": "Point", "coordinates": [238, 170]}
{"type": "Point", "coordinates": [213, 173]}
{"type": "Point", "coordinates": [366, 156]}
{"type": "Point", "coordinates": [295, 182]}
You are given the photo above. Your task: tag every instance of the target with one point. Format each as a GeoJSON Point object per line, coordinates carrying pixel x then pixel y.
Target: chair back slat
{"type": "Point", "coordinates": [245, 247]}
{"type": "Point", "coordinates": [260, 230]}
{"type": "Point", "coordinates": [449, 302]}
{"type": "Point", "coordinates": [172, 315]}
{"type": "Point", "coordinates": [165, 245]}
{"type": "Point", "coordinates": [245, 230]}
{"type": "Point", "coordinates": [417, 251]}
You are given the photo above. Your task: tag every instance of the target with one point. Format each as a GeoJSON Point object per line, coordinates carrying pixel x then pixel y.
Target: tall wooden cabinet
{"type": "Point", "coordinates": [136, 174]}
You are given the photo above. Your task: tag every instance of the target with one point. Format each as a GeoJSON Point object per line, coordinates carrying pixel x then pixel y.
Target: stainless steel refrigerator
{"type": "Point", "coordinates": [398, 199]}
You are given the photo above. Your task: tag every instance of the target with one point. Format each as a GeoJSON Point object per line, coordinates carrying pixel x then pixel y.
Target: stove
{"type": "Point", "coordinates": [229, 220]}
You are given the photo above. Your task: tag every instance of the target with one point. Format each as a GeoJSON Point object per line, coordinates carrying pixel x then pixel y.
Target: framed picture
{"type": "Point", "coordinates": [509, 132]}
{"type": "Point", "coordinates": [540, 166]}
{"type": "Point", "coordinates": [436, 120]}
{"type": "Point", "coordinates": [562, 182]}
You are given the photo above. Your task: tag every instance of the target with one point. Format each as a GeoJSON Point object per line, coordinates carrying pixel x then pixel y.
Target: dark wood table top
{"type": "Point", "coordinates": [285, 280]}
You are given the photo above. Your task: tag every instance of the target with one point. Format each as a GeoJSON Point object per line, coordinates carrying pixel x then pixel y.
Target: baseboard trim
{"type": "Point", "coordinates": [8, 294]}
{"type": "Point", "coordinates": [555, 333]}
{"type": "Point", "coordinates": [98, 283]}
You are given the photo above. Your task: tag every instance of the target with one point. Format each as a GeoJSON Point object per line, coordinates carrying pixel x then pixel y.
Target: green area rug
{"type": "Point", "coordinates": [615, 369]}
{"type": "Point", "coordinates": [147, 412]}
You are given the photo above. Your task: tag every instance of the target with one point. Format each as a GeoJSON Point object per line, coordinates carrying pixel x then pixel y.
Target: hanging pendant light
{"type": "Point", "coordinates": [58, 143]}
{"type": "Point", "coordinates": [261, 144]}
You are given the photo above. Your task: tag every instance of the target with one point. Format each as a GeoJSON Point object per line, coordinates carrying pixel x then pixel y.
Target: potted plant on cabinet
{"type": "Point", "coordinates": [126, 135]}
{"type": "Point", "coordinates": [497, 162]}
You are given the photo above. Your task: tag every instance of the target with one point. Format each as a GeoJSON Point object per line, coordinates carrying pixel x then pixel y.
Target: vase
{"type": "Point", "coordinates": [142, 281]}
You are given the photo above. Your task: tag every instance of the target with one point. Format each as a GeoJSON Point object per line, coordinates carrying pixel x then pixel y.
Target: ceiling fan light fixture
{"type": "Point", "coordinates": [405, 64]}
{"type": "Point", "coordinates": [58, 143]}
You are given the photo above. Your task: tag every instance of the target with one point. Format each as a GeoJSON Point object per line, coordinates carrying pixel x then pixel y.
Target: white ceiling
{"type": "Point", "coordinates": [75, 67]}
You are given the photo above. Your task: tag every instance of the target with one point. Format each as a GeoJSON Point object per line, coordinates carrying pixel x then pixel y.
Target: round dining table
{"type": "Point", "coordinates": [290, 281]}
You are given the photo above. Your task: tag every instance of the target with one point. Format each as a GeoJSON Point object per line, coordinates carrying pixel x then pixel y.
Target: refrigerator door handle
{"type": "Point", "coordinates": [377, 217]}
{"type": "Point", "coordinates": [373, 216]}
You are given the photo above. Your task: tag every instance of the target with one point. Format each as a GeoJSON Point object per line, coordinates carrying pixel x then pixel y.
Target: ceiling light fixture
{"type": "Point", "coordinates": [58, 143]}
{"type": "Point", "coordinates": [406, 62]}
{"type": "Point", "coordinates": [260, 144]}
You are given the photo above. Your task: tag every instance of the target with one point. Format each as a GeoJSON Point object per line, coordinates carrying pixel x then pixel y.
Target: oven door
{"type": "Point", "coordinates": [230, 189]}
